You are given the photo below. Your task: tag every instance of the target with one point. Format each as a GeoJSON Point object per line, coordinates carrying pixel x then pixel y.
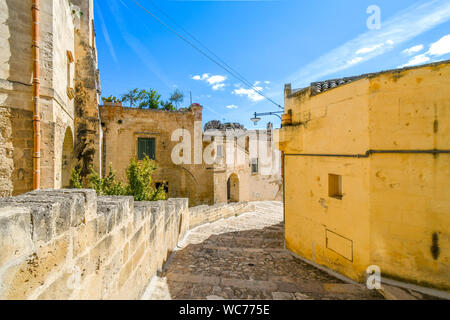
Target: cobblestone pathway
{"type": "Point", "coordinates": [243, 258]}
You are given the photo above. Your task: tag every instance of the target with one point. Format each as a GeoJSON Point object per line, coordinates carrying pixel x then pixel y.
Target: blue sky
{"type": "Point", "coordinates": [269, 42]}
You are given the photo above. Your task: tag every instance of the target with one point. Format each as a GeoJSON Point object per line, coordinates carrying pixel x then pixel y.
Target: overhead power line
{"type": "Point", "coordinates": [221, 64]}
{"type": "Point", "coordinates": [241, 77]}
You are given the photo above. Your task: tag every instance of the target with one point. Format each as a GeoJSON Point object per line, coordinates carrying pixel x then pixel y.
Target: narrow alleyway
{"type": "Point", "coordinates": [243, 258]}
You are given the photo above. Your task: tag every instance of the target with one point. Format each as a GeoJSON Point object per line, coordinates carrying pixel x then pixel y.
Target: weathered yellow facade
{"type": "Point", "coordinates": [367, 174]}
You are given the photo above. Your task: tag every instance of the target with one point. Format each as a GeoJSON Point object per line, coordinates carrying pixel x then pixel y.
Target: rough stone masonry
{"type": "Point", "coordinates": [73, 244]}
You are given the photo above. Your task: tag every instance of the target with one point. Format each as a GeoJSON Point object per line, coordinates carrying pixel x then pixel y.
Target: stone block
{"type": "Point", "coordinates": [84, 202]}
{"type": "Point", "coordinates": [84, 265]}
{"type": "Point", "coordinates": [22, 279]}
{"type": "Point", "coordinates": [124, 204]}
{"type": "Point", "coordinates": [125, 273]}
{"type": "Point", "coordinates": [15, 233]}
{"type": "Point", "coordinates": [43, 215]}
{"type": "Point", "coordinates": [61, 287]}
{"type": "Point", "coordinates": [138, 254]}
{"type": "Point", "coordinates": [109, 211]}
{"type": "Point", "coordinates": [101, 226]}
{"type": "Point", "coordinates": [84, 237]}
{"type": "Point", "coordinates": [101, 252]}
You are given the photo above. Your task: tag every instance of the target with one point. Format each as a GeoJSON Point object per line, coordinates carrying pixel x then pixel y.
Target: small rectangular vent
{"type": "Point", "coordinates": [339, 244]}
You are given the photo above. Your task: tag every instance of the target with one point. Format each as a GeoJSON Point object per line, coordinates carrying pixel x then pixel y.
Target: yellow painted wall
{"type": "Point", "coordinates": [410, 194]}
{"type": "Point", "coordinates": [395, 209]}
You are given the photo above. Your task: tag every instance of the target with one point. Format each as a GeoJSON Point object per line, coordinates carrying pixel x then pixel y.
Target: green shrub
{"type": "Point", "coordinates": [76, 181]}
{"type": "Point", "coordinates": [139, 176]}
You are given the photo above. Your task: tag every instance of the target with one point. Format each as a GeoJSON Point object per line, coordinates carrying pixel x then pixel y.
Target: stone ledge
{"type": "Point", "coordinates": [106, 247]}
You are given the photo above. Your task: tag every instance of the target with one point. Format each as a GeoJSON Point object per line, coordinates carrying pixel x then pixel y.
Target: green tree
{"type": "Point", "coordinates": [177, 97]}
{"type": "Point", "coordinates": [139, 174]}
{"type": "Point", "coordinates": [148, 99]}
{"type": "Point", "coordinates": [110, 99]}
{"type": "Point", "coordinates": [142, 98]}
{"type": "Point", "coordinates": [132, 97]}
{"type": "Point", "coordinates": [167, 105]}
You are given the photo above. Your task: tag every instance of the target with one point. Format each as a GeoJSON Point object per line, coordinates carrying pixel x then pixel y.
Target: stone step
{"type": "Point", "coordinates": [189, 286]}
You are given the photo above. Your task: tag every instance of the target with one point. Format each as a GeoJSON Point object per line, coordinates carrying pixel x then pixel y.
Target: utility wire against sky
{"type": "Point", "coordinates": [241, 77]}
{"type": "Point", "coordinates": [221, 64]}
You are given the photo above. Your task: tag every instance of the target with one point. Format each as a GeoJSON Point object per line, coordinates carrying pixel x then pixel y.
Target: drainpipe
{"type": "Point", "coordinates": [36, 111]}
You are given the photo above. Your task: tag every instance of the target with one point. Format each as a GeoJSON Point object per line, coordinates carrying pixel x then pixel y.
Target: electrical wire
{"type": "Point", "coordinates": [221, 64]}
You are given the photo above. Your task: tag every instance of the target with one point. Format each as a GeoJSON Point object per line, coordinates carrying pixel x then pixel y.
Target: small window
{"type": "Point", "coordinates": [335, 186]}
{"type": "Point", "coordinates": [146, 147]}
{"type": "Point", "coordinates": [219, 151]}
{"type": "Point", "coordinates": [255, 165]}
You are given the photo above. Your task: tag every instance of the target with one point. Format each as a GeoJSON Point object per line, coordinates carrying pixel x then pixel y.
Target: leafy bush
{"type": "Point", "coordinates": [111, 98]}
{"type": "Point", "coordinates": [139, 176]}
{"type": "Point", "coordinates": [151, 99]}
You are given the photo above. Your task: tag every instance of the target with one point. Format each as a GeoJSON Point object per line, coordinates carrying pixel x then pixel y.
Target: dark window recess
{"type": "Point", "coordinates": [335, 186]}
{"type": "Point", "coordinates": [165, 185]}
{"type": "Point", "coordinates": [255, 165]}
{"type": "Point", "coordinates": [146, 147]}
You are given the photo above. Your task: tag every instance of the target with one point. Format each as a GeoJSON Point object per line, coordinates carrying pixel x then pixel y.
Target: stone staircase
{"type": "Point", "coordinates": [243, 257]}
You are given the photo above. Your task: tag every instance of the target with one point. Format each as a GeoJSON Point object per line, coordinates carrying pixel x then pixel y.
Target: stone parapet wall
{"type": "Point", "coordinates": [207, 214]}
{"type": "Point", "coordinates": [72, 244]}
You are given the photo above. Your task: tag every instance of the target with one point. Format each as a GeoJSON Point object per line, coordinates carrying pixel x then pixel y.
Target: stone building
{"type": "Point", "coordinates": [65, 77]}
{"type": "Point", "coordinates": [131, 132]}
{"type": "Point", "coordinates": [247, 164]}
{"type": "Point", "coordinates": [50, 116]}
{"type": "Point", "coordinates": [207, 167]}
{"type": "Point", "coordinates": [367, 174]}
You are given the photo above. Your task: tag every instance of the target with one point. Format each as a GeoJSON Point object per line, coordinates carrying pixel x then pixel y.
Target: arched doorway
{"type": "Point", "coordinates": [67, 158]}
{"type": "Point", "coordinates": [233, 188]}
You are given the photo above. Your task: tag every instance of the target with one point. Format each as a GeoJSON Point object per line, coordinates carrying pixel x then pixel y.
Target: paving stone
{"type": "Point", "coordinates": [244, 258]}
{"type": "Point", "coordinates": [282, 296]}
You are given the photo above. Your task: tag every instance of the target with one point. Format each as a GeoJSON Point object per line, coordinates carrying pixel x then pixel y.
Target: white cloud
{"type": "Point", "coordinates": [232, 107]}
{"type": "Point", "coordinates": [369, 49]}
{"type": "Point", "coordinates": [218, 86]}
{"type": "Point", "coordinates": [216, 79]}
{"type": "Point", "coordinates": [440, 47]}
{"type": "Point", "coordinates": [267, 82]}
{"type": "Point", "coordinates": [414, 49]}
{"type": "Point", "coordinates": [216, 82]}
{"type": "Point", "coordinates": [200, 77]}
{"type": "Point", "coordinates": [421, 58]}
{"type": "Point", "coordinates": [354, 60]}
{"type": "Point", "coordinates": [404, 26]}
{"type": "Point", "coordinates": [251, 94]}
